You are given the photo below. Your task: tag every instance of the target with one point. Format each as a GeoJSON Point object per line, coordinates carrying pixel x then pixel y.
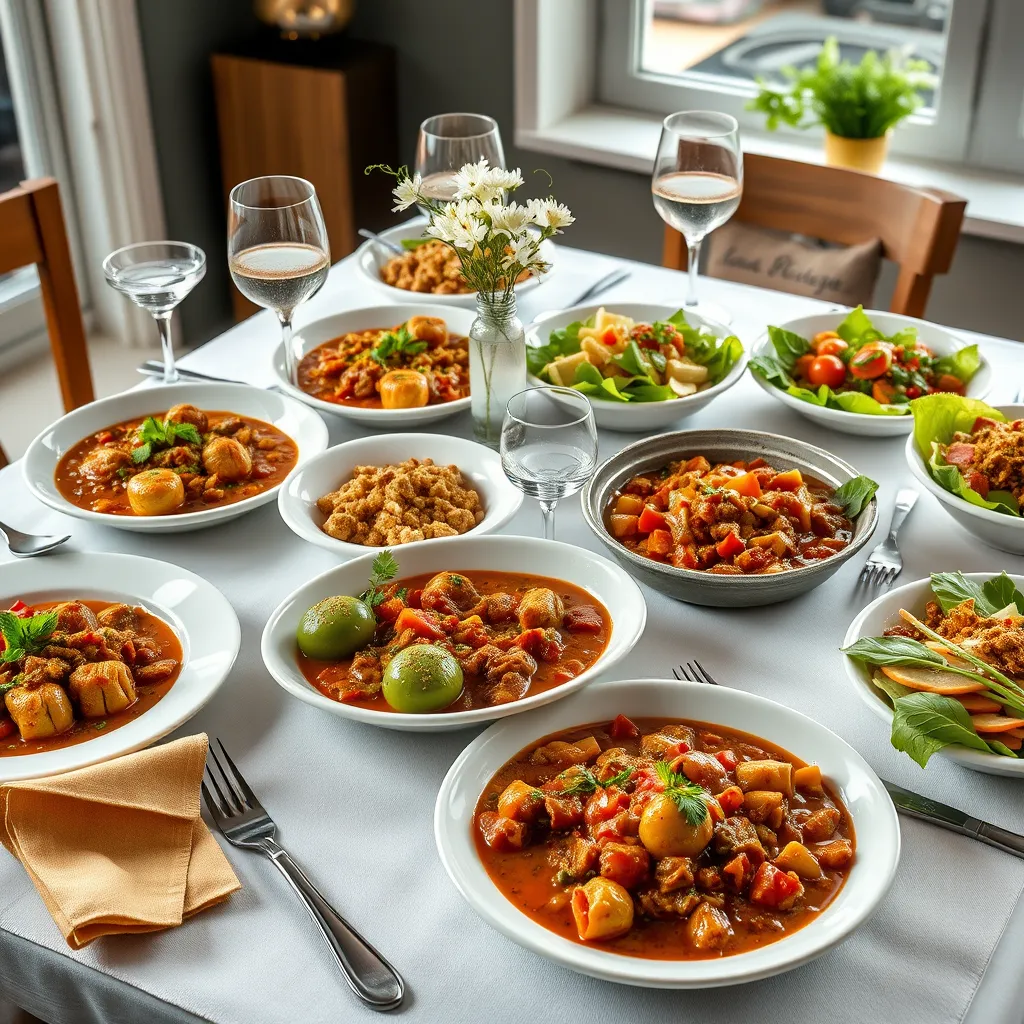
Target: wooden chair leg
{"type": "Point", "coordinates": [4, 461]}
{"type": "Point", "coordinates": [61, 302]}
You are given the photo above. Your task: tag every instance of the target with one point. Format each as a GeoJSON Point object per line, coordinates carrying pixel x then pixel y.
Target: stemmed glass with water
{"type": "Point", "coordinates": [549, 446]}
{"type": "Point", "coordinates": [278, 252]}
{"type": "Point", "coordinates": [697, 184]}
{"type": "Point", "coordinates": [156, 276]}
{"type": "Point", "coordinates": [446, 142]}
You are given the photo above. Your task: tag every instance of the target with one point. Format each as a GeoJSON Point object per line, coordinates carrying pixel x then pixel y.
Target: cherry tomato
{"type": "Point", "coordinates": [913, 391]}
{"type": "Point", "coordinates": [947, 382]}
{"type": "Point", "coordinates": [871, 361]}
{"type": "Point", "coordinates": [883, 392]}
{"type": "Point", "coordinates": [828, 370]}
{"type": "Point", "coordinates": [803, 365]}
{"type": "Point", "coordinates": [820, 337]}
{"type": "Point", "coordinates": [832, 347]}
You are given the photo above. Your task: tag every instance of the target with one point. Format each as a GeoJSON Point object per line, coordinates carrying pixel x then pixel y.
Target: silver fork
{"type": "Point", "coordinates": [244, 822]}
{"type": "Point", "coordinates": [694, 672]}
{"type": "Point", "coordinates": [885, 562]}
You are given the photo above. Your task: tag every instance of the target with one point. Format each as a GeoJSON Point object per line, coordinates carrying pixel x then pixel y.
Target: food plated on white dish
{"type": "Point", "coordinates": [857, 372]}
{"type": "Point", "coordinates": [103, 654]}
{"type": "Point", "coordinates": [970, 456]}
{"type": "Point", "coordinates": [397, 489]}
{"type": "Point", "coordinates": [427, 270]}
{"type": "Point", "coordinates": [942, 659]}
{"type": "Point", "coordinates": [383, 366]}
{"type": "Point", "coordinates": [447, 635]}
{"type": "Point", "coordinates": [643, 366]}
{"type": "Point", "coordinates": [172, 458]}
{"type": "Point", "coordinates": [714, 775]}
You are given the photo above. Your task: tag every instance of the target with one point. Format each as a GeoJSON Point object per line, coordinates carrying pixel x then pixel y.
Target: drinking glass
{"type": "Point", "coordinates": [697, 184]}
{"type": "Point", "coordinates": [156, 276]}
{"type": "Point", "coordinates": [446, 142]}
{"type": "Point", "coordinates": [278, 252]}
{"type": "Point", "coordinates": [549, 446]}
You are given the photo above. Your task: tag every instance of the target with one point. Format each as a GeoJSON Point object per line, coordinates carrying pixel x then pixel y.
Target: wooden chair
{"type": "Point", "coordinates": [919, 227]}
{"type": "Point", "coordinates": [32, 231]}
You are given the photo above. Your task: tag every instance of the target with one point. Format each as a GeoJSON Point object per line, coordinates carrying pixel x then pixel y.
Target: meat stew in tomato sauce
{"type": "Point", "coordinates": [185, 460]}
{"type": "Point", "coordinates": [86, 667]}
{"type": "Point", "coordinates": [513, 635]}
{"type": "Point", "coordinates": [735, 518]}
{"type": "Point", "coordinates": [665, 840]}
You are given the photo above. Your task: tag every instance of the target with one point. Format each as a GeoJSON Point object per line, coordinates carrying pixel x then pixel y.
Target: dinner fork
{"type": "Point", "coordinates": [241, 817]}
{"type": "Point", "coordinates": [885, 562]}
{"type": "Point", "coordinates": [694, 672]}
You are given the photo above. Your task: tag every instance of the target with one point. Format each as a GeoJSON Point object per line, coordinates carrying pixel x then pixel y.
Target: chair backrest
{"type": "Point", "coordinates": [918, 227]}
{"type": "Point", "coordinates": [32, 231]}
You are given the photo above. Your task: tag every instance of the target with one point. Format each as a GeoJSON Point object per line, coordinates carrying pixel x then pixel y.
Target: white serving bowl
{"type": "Point", "coordinates": [874, 620]}
{"type": "Point", "coordinates": [198, 613]}
{"type": "Point", "coordinates": [874, 818]}
{"type": "Point", "coordinates": [1002, 531]}
{"type": "Point", "coordinates": [603, 579]}
{"type": "Point", "coordinates": [319, 331]}
{"type": "Point", "coordinates": [301, 424]}
{"type": "Point", "coordinates": [940, 340]}
{"type": "Point", "coordinates": [480, 466]}
{"type": "Point", "coordinates": [371, 257]}
{"type": "Point", "coordinates": [637, 417]}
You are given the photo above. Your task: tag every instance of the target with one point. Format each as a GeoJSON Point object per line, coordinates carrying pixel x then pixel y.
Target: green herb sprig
{"type": "Point", "coordinates": [25, 636]}
{"type": "Point", "coordinates": [582, 781]}
{"type": "Point", "coordinates": [689, 798]}
{"type": "Point", "coordinates": [383, 571]}
{"type": "Point", "coordinates": [396, 343]}
{"type": "Point", "coordinates": [156, 434]}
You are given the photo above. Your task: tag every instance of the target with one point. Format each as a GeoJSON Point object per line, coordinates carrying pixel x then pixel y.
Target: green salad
{"type": "Point", "coordinates": [612, 357]}
{"type": "Point", "coordinates": [856, 368]}
{"type": "Point", "coordinates": [956, 677]}
{"type": "Point", "coordinates": [972, 450]}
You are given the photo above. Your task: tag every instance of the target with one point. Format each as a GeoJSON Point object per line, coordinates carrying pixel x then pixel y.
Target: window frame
{"type": "Point", "coordinates": [621, 83]}
{"type": "Point", "coordinates": [1001, 89]}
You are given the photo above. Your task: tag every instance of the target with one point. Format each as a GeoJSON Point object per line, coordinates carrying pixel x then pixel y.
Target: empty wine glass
{"type": "Point", "coordinates": [697, 184]}
{"type": "Point", "coordinates": [156, 276]}
{"type": "Point", "coordinates": [549, 446]}
{"type": "Point", "coordinates": [278, 252]}
{"type": "Point", "coordinates": [446, 142]}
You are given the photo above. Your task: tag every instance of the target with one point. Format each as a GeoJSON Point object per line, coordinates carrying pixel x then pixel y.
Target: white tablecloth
{"type": "Point", "coordinates": [354, 803]}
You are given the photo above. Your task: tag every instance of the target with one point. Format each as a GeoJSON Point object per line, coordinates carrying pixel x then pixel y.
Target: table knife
{"type": "Point", "coordinates": [917, 806]}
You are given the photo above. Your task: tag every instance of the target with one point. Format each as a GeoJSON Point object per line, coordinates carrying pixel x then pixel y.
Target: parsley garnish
{"type": "Point", "coordinates": [25, 636]}
{"type": "Point", "coordinates": [155, 434]}
{"type": "Point", "coordinates": [396, 343]}
{"type": "Point", "coordinates": [385, 569]}
{"type": "Point", "coordinates": [5, 688]}
{"type": "Point", "coordinates": [583, 781]}
{"type": "Point", "coordinates": [689, 798]}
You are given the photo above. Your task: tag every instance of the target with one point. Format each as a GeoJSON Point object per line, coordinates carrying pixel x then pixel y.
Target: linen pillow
{"type": "Point", "coordinates": [790, 263]}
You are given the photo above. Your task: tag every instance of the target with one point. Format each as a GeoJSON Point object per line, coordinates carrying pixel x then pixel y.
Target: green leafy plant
{"type": "Point", "coordinates": [396, 343]}
{"type": "Point", "coordinates": [689, 798]}
{"type": "Point", "coordinates": [25, 636]}
{"type": "Point", "coordinates": [855, 495]}
{"type": "Point", "coordinates": [156, 434]}
{"type": "Point", "coordinates": [382, 572]}
{"type": "Point", "coordinates": [854, 101]}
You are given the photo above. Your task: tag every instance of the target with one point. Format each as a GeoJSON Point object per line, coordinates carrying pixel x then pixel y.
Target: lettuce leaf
{"type": "Point", "coordinates": [562, 342]}
{"type": "Point", "coordinates": [719, 355]}
{"type": "Point", "coordinates": [857, 329]}
{"type": "Point", "coordinates": [855, 495]}
{"type": "Point", "coordinates": [938, 417]}
{"type": "Point", "coordinates": [923, 723]}
{"type": "Point", "coordinates": [951, 479]}
{"type": "Point", "coordinates": [953, 588]}
{"type": "Point", "coordinates": [857, 401]}
{"type": "Point", "coordinates": [789, 347]}
{"type": "Point", "coordinates": [963, 363]}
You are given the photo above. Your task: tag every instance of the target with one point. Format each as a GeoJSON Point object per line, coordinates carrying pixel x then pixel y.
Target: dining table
{"type": "Point", "coordinates": [354, 804]}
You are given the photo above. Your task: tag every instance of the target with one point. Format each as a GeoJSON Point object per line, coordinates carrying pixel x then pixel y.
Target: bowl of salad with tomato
{"type": "Point", "coordinates": [859, 373]}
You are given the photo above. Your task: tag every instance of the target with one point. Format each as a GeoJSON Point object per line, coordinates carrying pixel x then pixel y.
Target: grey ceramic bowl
{"type": "Point", "coordinates": [722, 445]}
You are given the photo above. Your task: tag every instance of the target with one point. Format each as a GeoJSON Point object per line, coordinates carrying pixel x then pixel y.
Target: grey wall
{"type": "Point", "coordinates": [455, 55]}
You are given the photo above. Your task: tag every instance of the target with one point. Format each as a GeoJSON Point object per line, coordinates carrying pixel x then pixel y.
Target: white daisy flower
{"type": "Point", "coordinates": [509, 220]}
{"type": "Point", "coordinates": [547, 213]}
{"type": "Point", "coordinates": [498, 177]}
{"type": "Point", "coordinates": [443, 227]}
{"type": "Point", "coordinates": [522, 250]}
{"type": "Point", "coordinates": [407, 192]}
{"type": "Point", "coordinates": [469, 178]}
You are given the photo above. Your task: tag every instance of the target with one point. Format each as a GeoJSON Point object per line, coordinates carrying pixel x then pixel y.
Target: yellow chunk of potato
{"type": "Point", "coordinates": [797, 858]}
{"type": "Point", "coordinates": [774, 776]}
{"type": "Point", "coordinates": [686, 371]}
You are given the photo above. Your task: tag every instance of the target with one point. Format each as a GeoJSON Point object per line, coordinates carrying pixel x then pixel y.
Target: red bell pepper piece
{"type": "Point", "coordinates": [420, 623]}
{"type": "Point", "coordinates": [727, 759]}
{"type": "Point", "coordinates": [732, 544]}
{"type": "Point", "coordinates": [651, 519]}
{"type": "Point", "coordinates": [623, 729]}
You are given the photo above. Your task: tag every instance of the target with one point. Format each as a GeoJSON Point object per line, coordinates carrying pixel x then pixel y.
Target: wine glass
{"type": "Point", "coordinates": [446, 142]}
{"type": "Point", "coordinates": [278, 251]}
{"type": "Point", "coordinates": [549, 446]}
{"type": "Point", "coordinates": [156, 276]}
{"type": "Point", "coordinates": [697, 184]}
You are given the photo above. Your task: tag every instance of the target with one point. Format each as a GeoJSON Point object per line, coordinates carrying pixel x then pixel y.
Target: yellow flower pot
{"type": "Point", "coordinates": [856, 154]}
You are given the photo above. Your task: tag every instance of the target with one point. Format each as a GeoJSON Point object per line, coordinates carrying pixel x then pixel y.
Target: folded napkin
{"type": "Point", "coordinates": [119, 847]}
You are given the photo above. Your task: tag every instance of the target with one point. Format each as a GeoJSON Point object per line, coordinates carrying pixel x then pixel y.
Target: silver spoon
{"type": "Point", "coordinates": [25, 545]}
{"type": "Point", "coordinates": [390, 246]}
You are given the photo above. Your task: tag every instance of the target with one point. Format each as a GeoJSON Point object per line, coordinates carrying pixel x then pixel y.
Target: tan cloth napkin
{"type": "Point", "coordinates": [119, 847]}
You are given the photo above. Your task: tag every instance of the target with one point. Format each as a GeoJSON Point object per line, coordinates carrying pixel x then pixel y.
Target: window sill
{"type": "Point", "coordinates": [628, 140]}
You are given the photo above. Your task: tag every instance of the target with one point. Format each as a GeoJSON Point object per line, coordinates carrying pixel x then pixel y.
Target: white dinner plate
{"type": "Point", "coordinates": [999, 529]}
{"type": "Point", "coordinates": [874, 620]}
{"type": "Point", "coordinates": [302, 425]}
{"type": "Point", "coordinates": [609, 584]}
{"type": "Point", "coordinates": [370, 257]}
{"type": "Point", "coordinates": [198, 613]}
{"type": "Point", "coordinates": [319, 331]}
{"type": "Point", "coordinates": [326, 472]}
{"type": "Point", "coordinates": [940, 340]}
{"type": "Point", "coordinates": [643, 417]}
{"type": "Point", "coordinates": [876, 829]}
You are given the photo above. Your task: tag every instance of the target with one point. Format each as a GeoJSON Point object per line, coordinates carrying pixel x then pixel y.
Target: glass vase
{"type": "Point", "coordinates": [497, 363]}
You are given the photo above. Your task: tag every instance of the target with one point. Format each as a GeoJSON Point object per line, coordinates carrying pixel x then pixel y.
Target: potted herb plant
{"type": "Point", "coordinates": [858, 105]}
